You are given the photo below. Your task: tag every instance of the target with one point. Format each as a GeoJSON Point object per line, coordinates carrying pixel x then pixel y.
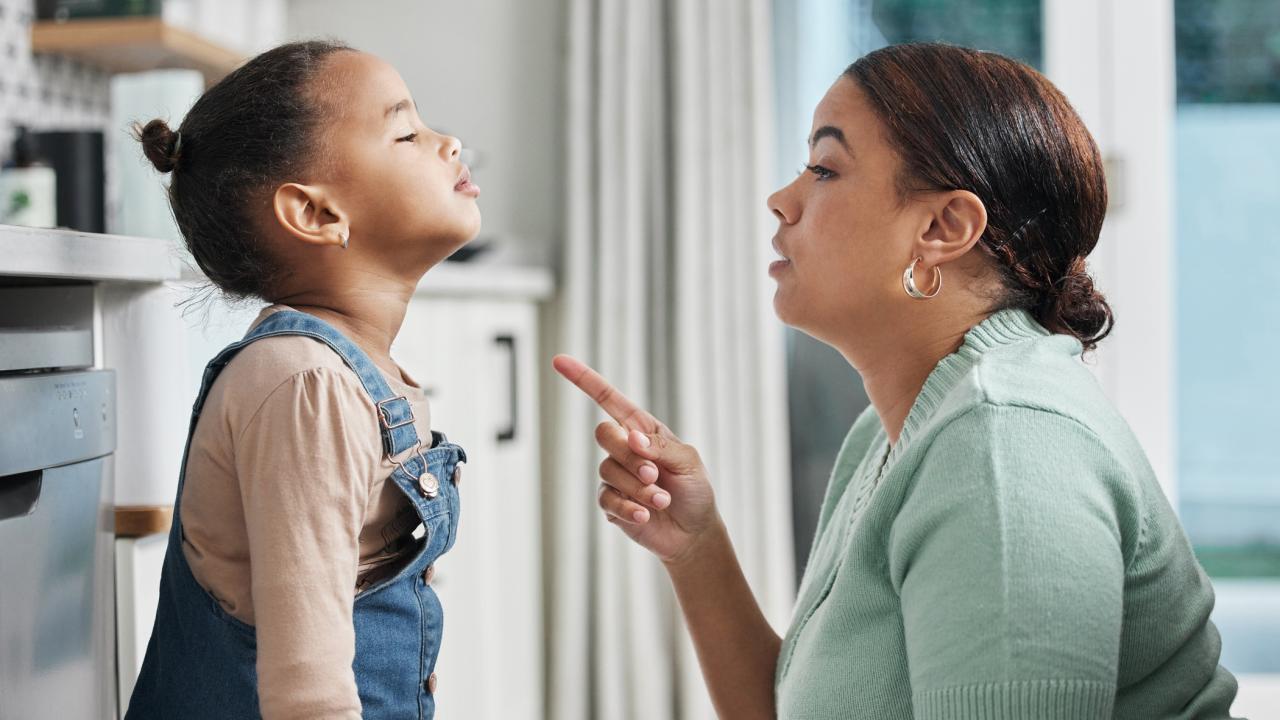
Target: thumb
{"type": "Point", "coordinates": [665, 450]}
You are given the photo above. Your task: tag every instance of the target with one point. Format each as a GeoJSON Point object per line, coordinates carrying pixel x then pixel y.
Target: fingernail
{"type": "Point", "coordinates": [644, 439]}
{"type": "Point", "coordinates": [648, 473]}
{"type": "Point", "coordinates": [661, 500]}
{"type": "Point", "coordinates": [640, 515]}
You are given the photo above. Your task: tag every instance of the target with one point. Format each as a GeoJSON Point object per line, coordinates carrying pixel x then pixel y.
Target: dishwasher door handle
{"type": "Point", "coordinates": [19, 494]}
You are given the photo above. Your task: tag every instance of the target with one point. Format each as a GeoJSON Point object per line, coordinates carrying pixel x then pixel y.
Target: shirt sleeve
{"type": "Point", "coordinates": [1008, 558]}
{"type": "Point", "coordinates": [302, 461]}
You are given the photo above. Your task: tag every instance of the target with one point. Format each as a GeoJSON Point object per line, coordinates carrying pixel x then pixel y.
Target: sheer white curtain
{"type": "Point", "coordinates": [664, 290]}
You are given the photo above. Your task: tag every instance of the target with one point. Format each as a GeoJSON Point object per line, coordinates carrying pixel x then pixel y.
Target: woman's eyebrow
{"type": "Point", "coordinates": [830, 131]}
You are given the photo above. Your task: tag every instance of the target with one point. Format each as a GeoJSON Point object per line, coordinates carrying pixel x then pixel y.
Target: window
{"type": "Point", "coordinates": [1227, 191]}
{"type": "Point", "coordinates": [1193, 366]}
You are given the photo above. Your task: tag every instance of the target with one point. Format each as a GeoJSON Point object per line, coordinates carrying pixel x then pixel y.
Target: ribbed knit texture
{"type": "Point", "coordinates": [1013, 557]}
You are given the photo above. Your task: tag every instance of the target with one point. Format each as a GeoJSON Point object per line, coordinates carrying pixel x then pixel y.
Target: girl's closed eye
{"type": "Point", "coordinates": [408, 138]}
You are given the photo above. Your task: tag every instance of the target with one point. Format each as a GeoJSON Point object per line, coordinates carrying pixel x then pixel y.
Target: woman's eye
{"type": "Point", "coordinates": [821, 172]}
{"type": "Point", "coordinates": [408, 138]}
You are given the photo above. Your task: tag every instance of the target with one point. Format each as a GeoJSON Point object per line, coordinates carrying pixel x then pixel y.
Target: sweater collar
{"type": "Point", "coordinates": [1000, 329]}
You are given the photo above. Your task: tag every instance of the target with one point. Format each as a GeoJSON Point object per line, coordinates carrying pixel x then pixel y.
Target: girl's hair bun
{"type": "Point", "coordinates": [159, 144]}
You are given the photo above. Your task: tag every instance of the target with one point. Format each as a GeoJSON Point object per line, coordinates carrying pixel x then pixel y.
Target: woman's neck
{"type": "Point", "coordinates": [895, 369]}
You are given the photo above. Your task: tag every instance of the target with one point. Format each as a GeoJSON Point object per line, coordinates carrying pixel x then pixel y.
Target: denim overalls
{"type": "Point", "coordinates": [200, 663]}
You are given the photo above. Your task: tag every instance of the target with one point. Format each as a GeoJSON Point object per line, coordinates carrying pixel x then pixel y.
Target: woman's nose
{"type": "Point", "coordinates": [784, 207]}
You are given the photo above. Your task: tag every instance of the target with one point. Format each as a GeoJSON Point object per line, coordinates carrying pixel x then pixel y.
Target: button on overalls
{"type": "Point", "coordinates": [200, 662]}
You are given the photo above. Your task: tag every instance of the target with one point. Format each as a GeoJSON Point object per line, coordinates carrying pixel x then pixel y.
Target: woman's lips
{"type": "Point", "coordinates": [465, 186]}
{"type": "Point", "coordinates": [778, 266]}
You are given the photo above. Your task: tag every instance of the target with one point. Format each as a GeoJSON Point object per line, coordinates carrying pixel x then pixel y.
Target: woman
{"type": "Point", "coordinates": [993, 542]}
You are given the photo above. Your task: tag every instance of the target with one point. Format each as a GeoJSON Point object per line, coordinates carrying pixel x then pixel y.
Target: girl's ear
{"type": "Point", "coordinates": [308, 215]}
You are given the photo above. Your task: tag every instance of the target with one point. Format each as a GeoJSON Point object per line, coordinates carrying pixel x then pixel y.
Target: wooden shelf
{"type": "Point", "coordinates": [135, 521]}
{"type": "Point", "coordinates": [134, 45]}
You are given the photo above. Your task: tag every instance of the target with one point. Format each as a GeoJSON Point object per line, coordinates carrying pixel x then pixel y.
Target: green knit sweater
{"type": "Point", "coordinates": [1011, 556]}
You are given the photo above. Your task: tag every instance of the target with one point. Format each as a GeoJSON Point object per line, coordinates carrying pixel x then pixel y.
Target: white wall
{"type": "Point", "coordinates": [490, 72]}
{"type": "Point", "coordinates": [1115, 63]}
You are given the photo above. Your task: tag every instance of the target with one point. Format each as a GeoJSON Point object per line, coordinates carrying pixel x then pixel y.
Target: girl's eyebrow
{"type": "Point", "coordinates": [404, 104]}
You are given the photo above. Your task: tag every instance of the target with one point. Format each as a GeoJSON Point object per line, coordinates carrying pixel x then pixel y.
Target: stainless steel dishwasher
{"type": "Point", "coordinates": [57, 434]}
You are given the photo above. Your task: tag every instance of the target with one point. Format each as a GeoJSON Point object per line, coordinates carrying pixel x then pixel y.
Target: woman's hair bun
{"type": "Point", "coordinates": [1077, 308]}
{"type": "Point", "coordinates": [159, 144]}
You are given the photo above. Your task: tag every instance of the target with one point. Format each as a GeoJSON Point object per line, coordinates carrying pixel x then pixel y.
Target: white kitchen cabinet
{"type": "Point", "coordinates": [478, 357]}
{"type": "Point", "coordinates": [139, 562]}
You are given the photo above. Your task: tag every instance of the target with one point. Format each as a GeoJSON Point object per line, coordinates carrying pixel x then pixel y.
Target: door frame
{"type": "Point", "coordinates": [1115, 62]}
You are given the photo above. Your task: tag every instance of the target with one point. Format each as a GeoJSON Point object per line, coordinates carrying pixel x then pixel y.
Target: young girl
{"type": "Point", "coordinates": [297, 578]}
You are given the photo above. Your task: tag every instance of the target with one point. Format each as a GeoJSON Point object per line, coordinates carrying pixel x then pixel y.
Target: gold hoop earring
{"type": "Point", "coordinates": [909, 281]}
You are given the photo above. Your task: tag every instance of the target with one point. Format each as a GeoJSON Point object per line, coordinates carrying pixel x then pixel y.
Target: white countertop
{"type": "Point", "coordinates": [491, 280]}
{"type": "Point", "coordinates": [39, 252]}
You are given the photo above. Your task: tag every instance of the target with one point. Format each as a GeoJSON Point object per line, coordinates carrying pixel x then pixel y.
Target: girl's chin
{"type": "Point", "coordinates": [463, 227]}
{"type": "Point", "coordinates": [465, 235]}
{"type": "Point", "coordinates": [471, 221]}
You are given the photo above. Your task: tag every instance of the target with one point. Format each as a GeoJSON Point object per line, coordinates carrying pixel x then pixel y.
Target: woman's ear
{"type": "Point", "coordinates": [308, 215]}
{"type": "Point", "coordinates": [956, 222]}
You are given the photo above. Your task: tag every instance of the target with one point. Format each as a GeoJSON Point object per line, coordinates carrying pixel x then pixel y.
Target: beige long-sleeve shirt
{"type": "Point", "coordinates": [288, 511]}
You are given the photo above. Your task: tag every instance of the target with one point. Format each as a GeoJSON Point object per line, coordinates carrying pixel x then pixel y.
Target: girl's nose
{"type": "Point", "coordinates": [451, 147]}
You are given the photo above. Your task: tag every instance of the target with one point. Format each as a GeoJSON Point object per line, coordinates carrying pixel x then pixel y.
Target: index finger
{"type": "Point", "coordinates": [610, 399]}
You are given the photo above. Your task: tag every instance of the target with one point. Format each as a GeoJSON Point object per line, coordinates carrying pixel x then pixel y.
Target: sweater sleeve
{"type": "Point", "coordinates": [1008, 559]}
{"type": "Point", "coordinates": [301, 462]}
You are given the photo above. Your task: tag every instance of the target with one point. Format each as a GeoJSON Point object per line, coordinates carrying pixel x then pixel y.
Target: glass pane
{"type": "Point", "coordinates": [1228, 51]}
{"type": "Point", "coordinates": [1228, 189]}
{"type": "Point", "coordinates": [1009, 27]}
{"type": "Point", "coordinates": [1227, 145]}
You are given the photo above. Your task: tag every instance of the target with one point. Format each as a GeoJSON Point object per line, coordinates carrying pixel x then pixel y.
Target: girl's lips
{"type": "Point", "coordinates": [465, 186]}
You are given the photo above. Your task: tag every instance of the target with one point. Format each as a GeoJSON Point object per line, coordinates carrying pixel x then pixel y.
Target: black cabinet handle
{"type": "Point", "coordinates": [509, 433]}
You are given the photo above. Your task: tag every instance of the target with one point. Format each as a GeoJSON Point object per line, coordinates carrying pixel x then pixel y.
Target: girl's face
{"type": "Point", "coordinates": [845, 233]}
{"type": "Point", "coordinates": [405, 191]}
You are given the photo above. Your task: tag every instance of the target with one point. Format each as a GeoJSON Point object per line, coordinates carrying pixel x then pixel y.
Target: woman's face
{"type": "Point", "coordinates": [402, 184]}
{"type": "Point", "coordinates": [844, 233]}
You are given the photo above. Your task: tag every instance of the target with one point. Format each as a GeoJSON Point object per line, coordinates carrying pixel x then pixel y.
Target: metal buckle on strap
{"type": "Point", "coordinates": [384, 417]}
{"type": "Point", "coordinates": [417, 450]}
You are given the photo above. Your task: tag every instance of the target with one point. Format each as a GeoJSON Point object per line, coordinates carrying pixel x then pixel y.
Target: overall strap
{"type": "Point", "coordinates": [395, 413]}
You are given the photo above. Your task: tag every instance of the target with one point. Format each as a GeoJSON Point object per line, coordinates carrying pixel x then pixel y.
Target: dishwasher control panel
{"type": "Point", "coordinates": [55, 418]}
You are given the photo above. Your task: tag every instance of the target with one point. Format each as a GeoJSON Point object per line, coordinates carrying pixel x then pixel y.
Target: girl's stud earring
{"type": "Point", "coordinates": [345, 237]}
